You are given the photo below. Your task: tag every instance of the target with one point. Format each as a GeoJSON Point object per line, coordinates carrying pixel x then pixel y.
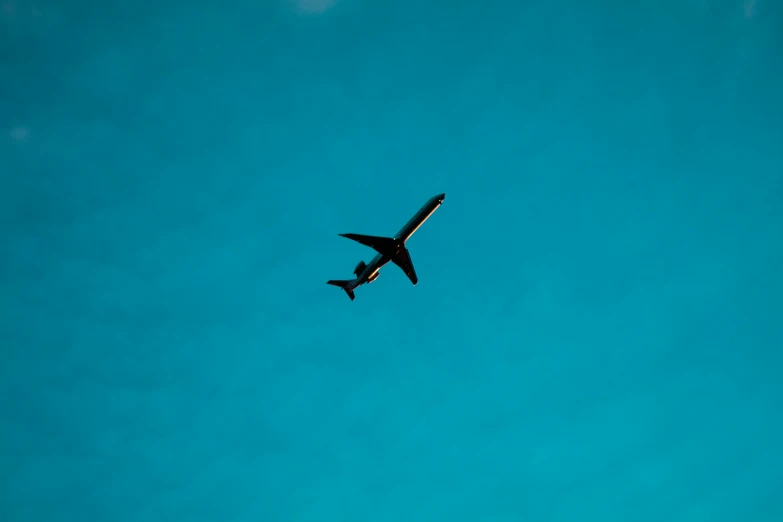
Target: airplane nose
{"type": "Point", "coordinates": [441, 197]}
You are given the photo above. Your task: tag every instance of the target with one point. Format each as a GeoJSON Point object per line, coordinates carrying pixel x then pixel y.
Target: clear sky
{"type": "Point", "coordinates": [597, 333]}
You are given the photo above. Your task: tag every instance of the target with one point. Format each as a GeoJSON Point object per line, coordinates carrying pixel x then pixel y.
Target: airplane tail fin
{"type": "Point", "coordinates": [346, 284]}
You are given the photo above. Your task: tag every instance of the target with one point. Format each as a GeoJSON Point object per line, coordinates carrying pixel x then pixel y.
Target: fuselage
{"type": "Point", "coordinates": [370, 272]}
{"type": "Point", "coordinates": [419, 218]}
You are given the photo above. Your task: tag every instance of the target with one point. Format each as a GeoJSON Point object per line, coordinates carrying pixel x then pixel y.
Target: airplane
{"type": "Point", "coordinates": [389, 249]}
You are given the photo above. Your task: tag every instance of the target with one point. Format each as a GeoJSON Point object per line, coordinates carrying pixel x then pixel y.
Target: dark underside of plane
{"type": "Point", "coordinates": [389, 249]}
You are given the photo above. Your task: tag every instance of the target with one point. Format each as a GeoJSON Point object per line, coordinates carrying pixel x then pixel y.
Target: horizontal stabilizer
{"type": "Point", "coordinates": [346, 284]}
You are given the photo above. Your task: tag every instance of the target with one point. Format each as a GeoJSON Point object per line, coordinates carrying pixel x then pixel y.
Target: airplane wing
{"type": "Point", "coordinates": [383, 245]}
{"type": "Point", "coordinates": [403, 260]}
{"type": "Point", "coordinates": [387, 246]}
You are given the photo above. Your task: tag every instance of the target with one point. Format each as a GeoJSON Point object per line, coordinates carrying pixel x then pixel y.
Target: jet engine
{"type": "Point", "coordinates": [373, 278]}
{"type": "Point", "coordinates": [359, 268]}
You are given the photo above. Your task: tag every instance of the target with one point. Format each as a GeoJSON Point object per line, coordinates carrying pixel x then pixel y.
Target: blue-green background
{"type": "Point", "coordinates": [598, 329]}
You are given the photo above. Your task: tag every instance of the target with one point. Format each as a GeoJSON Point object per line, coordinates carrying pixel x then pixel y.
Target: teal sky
{"type": "Point", "coordinates": [597, 333]}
